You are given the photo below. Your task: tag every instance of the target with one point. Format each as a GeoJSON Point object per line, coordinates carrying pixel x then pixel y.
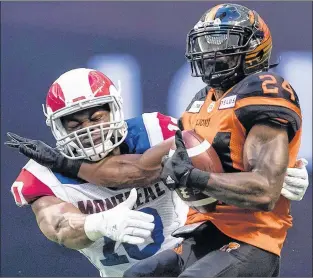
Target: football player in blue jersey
{"type": "Point", "coordinates": [113, 227]}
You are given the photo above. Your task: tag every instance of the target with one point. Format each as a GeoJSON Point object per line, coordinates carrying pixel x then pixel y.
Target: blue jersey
{"type": "Point", "coordinates": [148, 130]}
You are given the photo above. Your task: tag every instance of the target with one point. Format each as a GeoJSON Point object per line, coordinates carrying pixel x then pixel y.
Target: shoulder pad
{"type": "Point", "coordinates": [198, 99]}
{"type": "Point", "coordinates": [148, 130]}
{"type": "Point", "coordinates": [265, 97]}
{"type": "Point", "coordinates": [264, 84]}
{"type": "Point", "coordinates": [137, 138]}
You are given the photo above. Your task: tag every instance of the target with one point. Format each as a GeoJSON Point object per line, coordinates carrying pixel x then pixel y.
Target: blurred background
{"type": "Point", "coordinates": [143, 45]}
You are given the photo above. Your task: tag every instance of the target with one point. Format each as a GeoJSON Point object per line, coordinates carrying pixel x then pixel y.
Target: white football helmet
{"type": "Point", "coordinates": [77, 90]}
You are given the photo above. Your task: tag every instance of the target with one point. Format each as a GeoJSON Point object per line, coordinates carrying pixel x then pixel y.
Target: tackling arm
{"type": "Point", "coordinates": [122, 171]}
{"type": "Point", "coordinates": [126, 170]}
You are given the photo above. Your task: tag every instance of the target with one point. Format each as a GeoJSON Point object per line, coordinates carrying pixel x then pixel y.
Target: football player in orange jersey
{"type": "Point", "coordinates": [254, 124]}
{"type": "Point", "coordinates": [230, 49]}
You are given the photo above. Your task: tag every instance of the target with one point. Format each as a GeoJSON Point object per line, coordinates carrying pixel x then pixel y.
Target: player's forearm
{"type": "Point", "coordinates": [125, 171]}
{"type": "Point", "coordinates": [246, 190]}
{"type": "Point", "coordinates": [69, 231]}
{"type": "Point", "coordinates": [152, 158]}
{"type": "Point", "coordinates": [266, 160]}
{"type": "Point", "coordinates": [63, 223]}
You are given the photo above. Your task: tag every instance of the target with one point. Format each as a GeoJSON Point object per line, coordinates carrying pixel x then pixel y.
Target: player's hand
{"type": "Point", "coordinates": [178, 170]}
{"type": "Point", "coordinates": [121, 223]}
{"type": "Point", "coordinates": [44, 155]}
{"type": "Point", "coordinates": [35, 149]}
{"type": "Point", "coordinates": [296, 181]}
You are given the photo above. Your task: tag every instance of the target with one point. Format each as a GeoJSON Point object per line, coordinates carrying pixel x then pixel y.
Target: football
{"type": "Point", "coordinates": [205, 158]}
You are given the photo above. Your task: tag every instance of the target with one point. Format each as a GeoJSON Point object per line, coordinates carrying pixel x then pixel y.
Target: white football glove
{"type": "Point", "coordinates": [120, 223]}
{"type": "Point", "coordinates": [296, 181]}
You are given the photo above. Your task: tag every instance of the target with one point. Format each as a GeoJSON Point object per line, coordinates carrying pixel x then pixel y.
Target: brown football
{"type": "Point", "coordinates": [205, 158]}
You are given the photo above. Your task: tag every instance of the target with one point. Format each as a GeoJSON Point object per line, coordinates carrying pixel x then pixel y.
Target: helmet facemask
{"type": "Point", "coordinates": [93, 142]}
{"type": "Point", "coordinates": [216, 52]}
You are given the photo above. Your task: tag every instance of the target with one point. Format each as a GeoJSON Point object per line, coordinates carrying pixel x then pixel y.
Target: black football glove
{"type": "Point", "coordinates": [178, 170]}
{"type": "Point", "coordinates": [44, 155]}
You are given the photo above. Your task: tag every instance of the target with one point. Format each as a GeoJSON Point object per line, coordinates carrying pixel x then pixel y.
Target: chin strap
{"type": "Point", "coordinates": [228, 81]}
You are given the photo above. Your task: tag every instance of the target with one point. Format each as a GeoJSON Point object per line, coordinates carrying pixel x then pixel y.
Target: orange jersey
{"type": "Point", "coordinates": [225, 123]}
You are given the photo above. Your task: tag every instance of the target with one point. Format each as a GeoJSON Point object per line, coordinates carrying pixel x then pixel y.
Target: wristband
{"type": "Point", "coordinates": [198, 179]}
{"type": "Point", "coordinates": [70, 167]}
{"type": "Point", "coordinates": [91, 226]}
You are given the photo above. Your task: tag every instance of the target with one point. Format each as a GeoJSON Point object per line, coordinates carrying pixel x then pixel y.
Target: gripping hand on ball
{"type": "Point", "coordinates": [178, 170]}
{"type": "Point", "coordinates": [44, 155]}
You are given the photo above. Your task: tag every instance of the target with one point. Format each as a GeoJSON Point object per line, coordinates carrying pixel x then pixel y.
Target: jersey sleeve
{"type": "Point", "coordinates": [265, 97]}
{"type": "Point", "coordinates": [32, 183]}
{"type": "Point", "coordinates": [149, 130]}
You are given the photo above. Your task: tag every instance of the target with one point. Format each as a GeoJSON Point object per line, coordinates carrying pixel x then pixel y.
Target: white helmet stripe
{"type": "Point", "coordinates": [75, 85]}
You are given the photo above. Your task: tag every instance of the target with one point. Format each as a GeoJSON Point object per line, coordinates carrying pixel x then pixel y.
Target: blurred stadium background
{"type": "Point", "coordinates": [143, 45]}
